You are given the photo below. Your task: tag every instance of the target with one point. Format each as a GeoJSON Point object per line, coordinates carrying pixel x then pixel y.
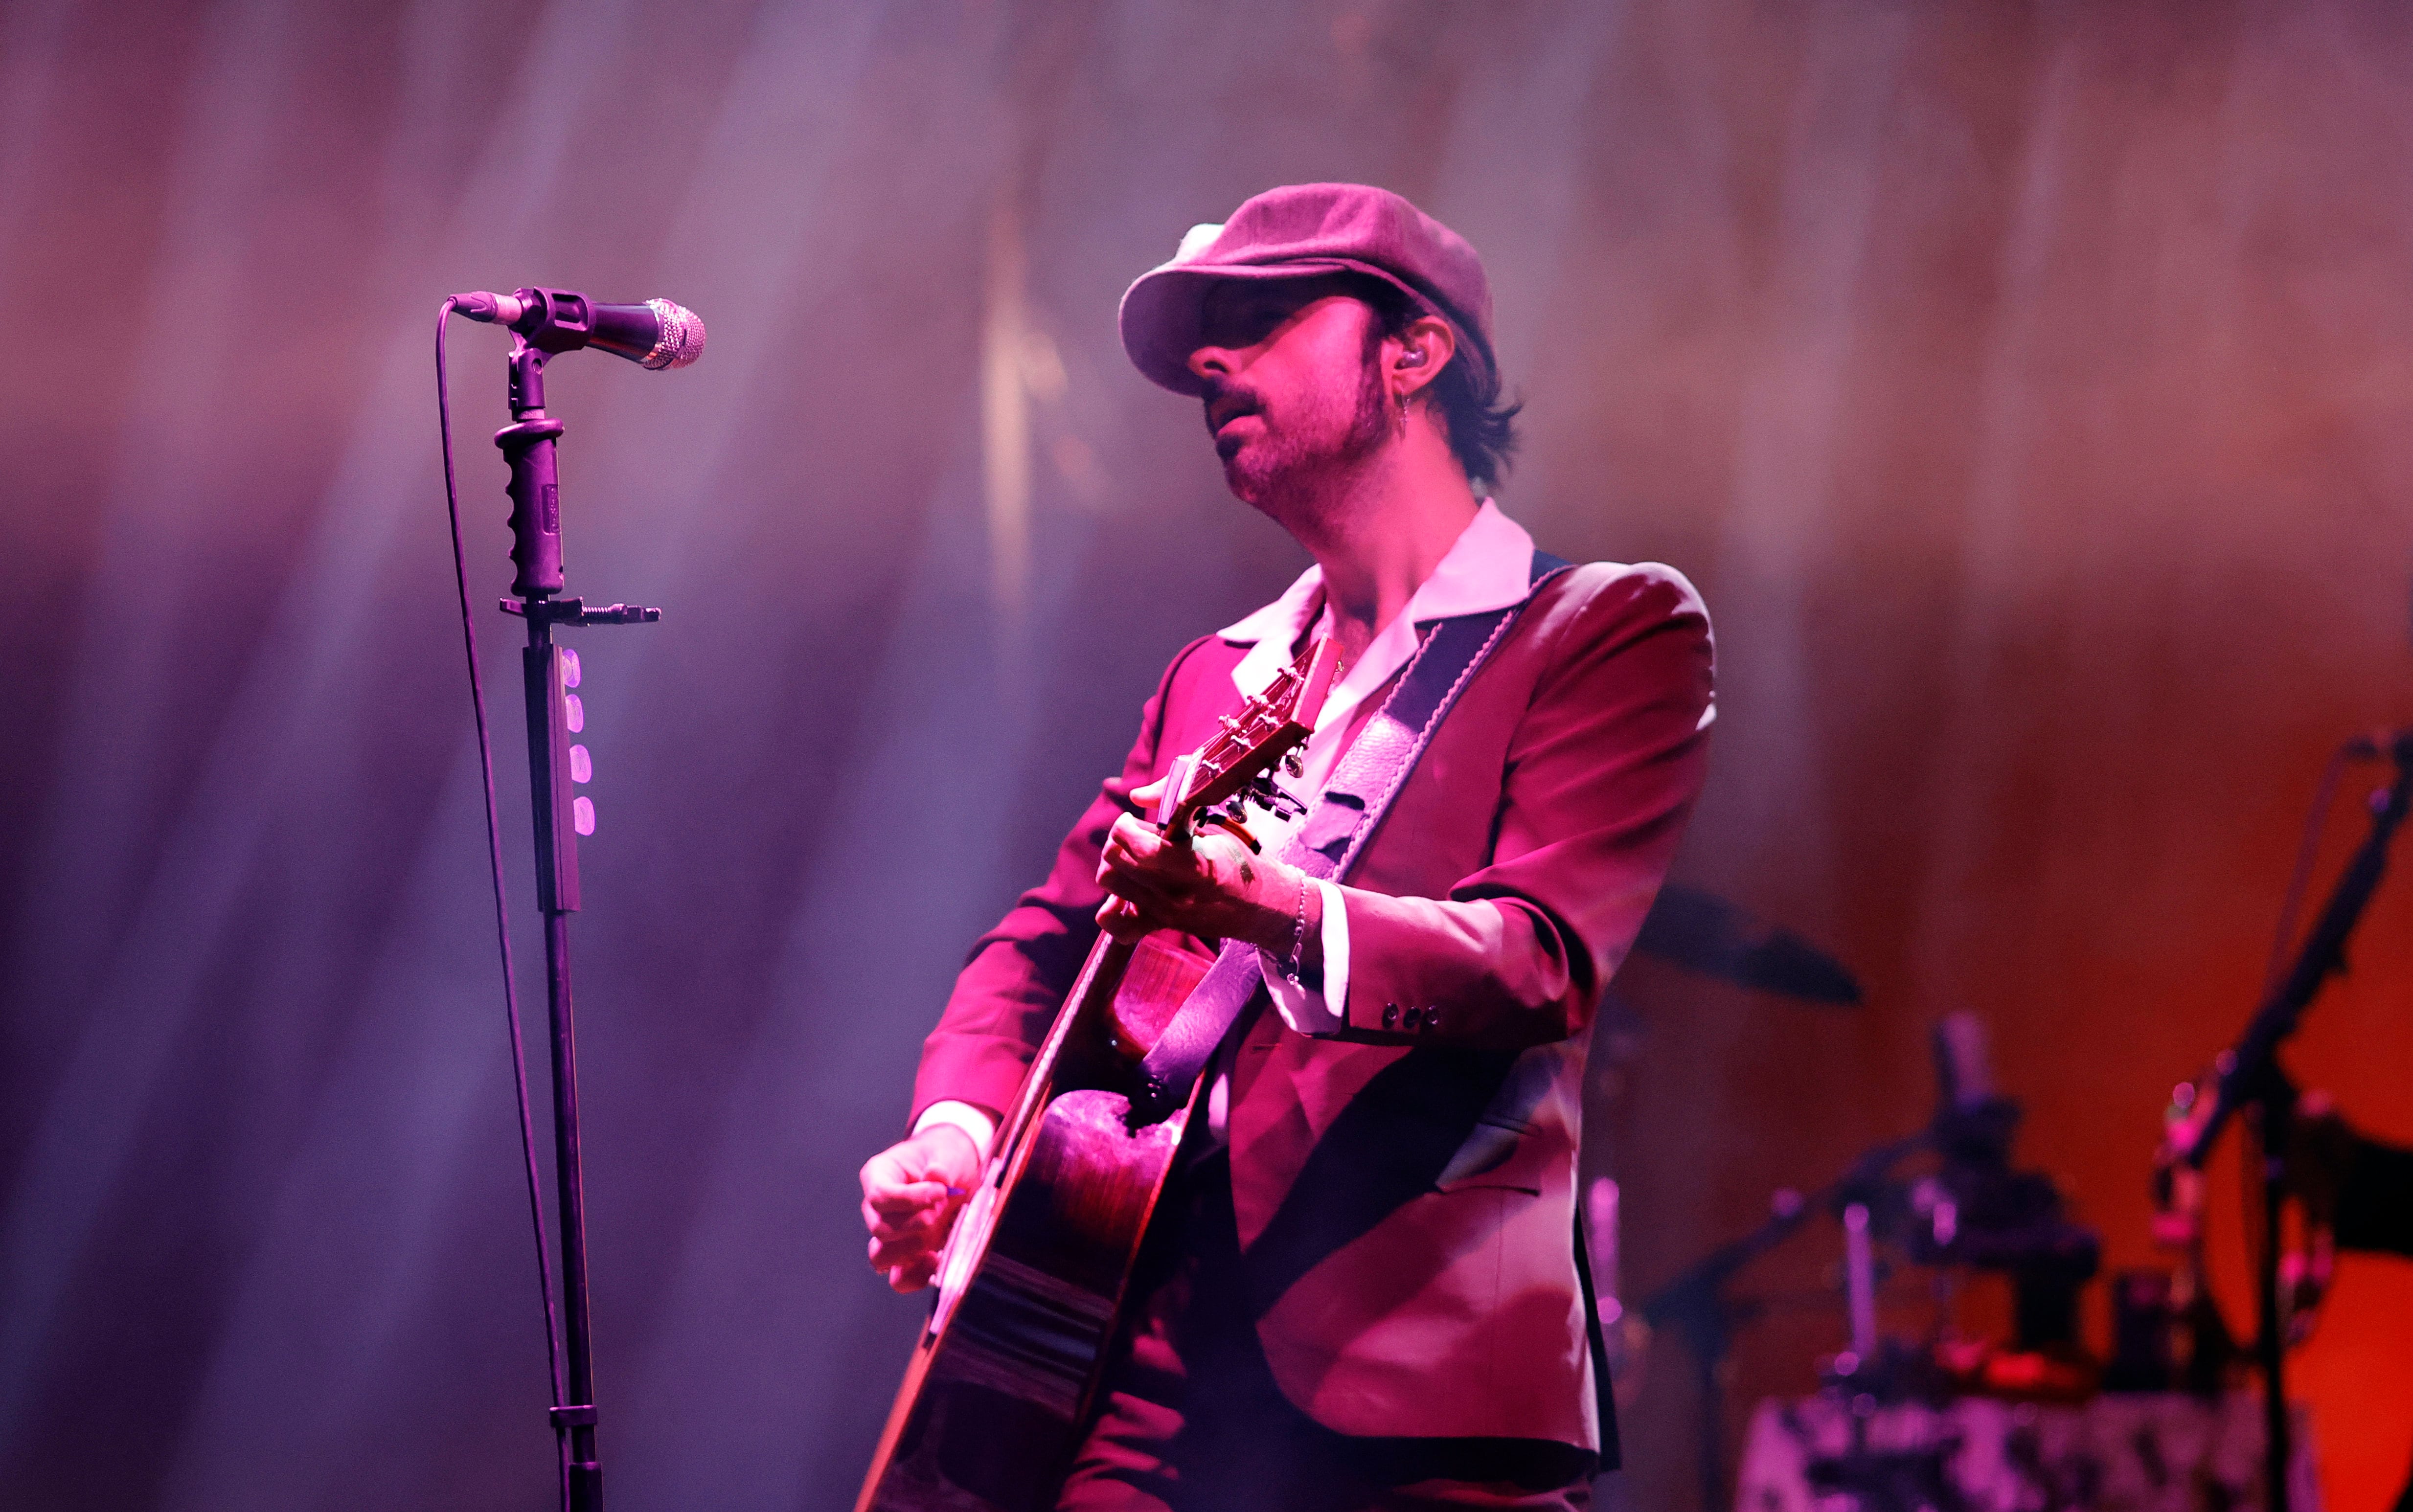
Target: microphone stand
{"type": "Point", "coordinates": [554, 714]}
{"type": "Point", "coordinates": [2250, 1077]}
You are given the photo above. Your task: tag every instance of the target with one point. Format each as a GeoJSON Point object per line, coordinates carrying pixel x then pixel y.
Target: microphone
{"type": "Point", "coordinates": [1964, 1063]}
{"type": "Point", "coordinates": [657, 334]}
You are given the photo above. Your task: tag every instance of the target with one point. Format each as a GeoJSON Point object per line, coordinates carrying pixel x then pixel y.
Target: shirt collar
{"type": "Point", "coordinates": [1490, 566]}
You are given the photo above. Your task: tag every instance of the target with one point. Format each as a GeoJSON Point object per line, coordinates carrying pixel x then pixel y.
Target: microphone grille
{"type": "Point", "coordinates": [681, 341]}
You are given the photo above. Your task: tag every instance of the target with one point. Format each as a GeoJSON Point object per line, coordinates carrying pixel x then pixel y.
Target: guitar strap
{"type": "Point", "coordinates": [1344, 818]}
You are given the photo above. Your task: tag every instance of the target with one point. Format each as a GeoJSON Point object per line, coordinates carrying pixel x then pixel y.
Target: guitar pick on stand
{"type": "Point", "coordinates": [566, 715]}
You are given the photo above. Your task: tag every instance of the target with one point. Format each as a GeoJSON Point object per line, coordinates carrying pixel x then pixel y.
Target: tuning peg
{"type": "Point", "coordinates": [582, 814]}
{"type": "Point", "coordinates": [1267, 794]}
{"type": "Point", "coordinates": [581, 767]}
{"type": "Point", "coordinates": [570, 673]}
{"type": "Point", "coordinates": [574, 712]}
{"type": "Point", "coordinates": [1293, 763]}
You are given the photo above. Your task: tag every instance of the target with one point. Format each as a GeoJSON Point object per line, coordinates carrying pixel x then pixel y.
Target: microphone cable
{"type": "Point", "coordinates": [2307, 852]}
{"type": "Point", "coordinates": [502, 911]}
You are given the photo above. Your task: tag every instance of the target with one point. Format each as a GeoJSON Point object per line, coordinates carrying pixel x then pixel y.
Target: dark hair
{"type": "Point", "coordinates": [1482, 430]}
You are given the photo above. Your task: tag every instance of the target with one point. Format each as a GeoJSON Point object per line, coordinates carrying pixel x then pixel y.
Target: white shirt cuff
{"type": "Point", "coordinates": [963, 1115]}
{"type": "Point", "coordinates": [1306, 1010]}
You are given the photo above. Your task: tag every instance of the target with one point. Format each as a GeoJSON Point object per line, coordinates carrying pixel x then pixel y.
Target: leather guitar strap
{"type": "Point", "coordinates": [1344, 818]}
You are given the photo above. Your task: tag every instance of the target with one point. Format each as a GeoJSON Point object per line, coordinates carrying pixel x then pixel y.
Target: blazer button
{"type": "Point", "coordinates": [1414, 1018]}
{"type": "Point", "coordinates": [1390, 1015]}
{"type": "Point", "coordinates": [1432, 1016]}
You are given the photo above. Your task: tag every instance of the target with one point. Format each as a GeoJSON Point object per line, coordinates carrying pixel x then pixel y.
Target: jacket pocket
{"type": "Point", "coordinates": [1489, 1151]}
{"type": "Point", "coordinates": [1525, 1097]}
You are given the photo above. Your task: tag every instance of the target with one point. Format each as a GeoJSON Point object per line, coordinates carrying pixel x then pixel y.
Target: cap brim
{"type": "Point", "coordinates": [1162, 318]}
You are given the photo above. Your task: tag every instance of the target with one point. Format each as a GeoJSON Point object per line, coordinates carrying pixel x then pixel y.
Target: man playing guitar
{"type": "Point", "coordinates": [1360, 1287]}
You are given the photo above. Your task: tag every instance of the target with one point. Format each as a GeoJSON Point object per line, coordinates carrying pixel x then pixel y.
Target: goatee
{"type": "Point", "coordinates": [1290, 476]}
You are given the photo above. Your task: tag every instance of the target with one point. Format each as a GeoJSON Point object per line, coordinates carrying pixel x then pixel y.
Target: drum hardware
{"type": "Point", "coordinates": [1971, 1211]}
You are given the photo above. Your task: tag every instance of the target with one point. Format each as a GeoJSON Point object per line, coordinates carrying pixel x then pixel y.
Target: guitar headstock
{"type": "Point", "coordinates": [1268, 728]}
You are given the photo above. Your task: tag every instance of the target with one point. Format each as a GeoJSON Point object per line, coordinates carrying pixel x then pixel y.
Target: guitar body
{"type": "Point", "coordinates": [1033, 1280]}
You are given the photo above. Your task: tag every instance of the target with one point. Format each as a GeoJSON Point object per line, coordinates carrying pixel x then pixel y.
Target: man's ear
{"type": "Point", "coordinates": [1421, 352]}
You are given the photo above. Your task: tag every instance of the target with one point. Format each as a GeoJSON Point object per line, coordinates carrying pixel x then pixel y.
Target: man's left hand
{"type": "Point", "coordinates": [1213, 886]}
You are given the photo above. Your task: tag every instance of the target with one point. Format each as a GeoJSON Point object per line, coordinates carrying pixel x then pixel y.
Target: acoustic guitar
{"type": "Point", "coordinates": [1031, 1283]}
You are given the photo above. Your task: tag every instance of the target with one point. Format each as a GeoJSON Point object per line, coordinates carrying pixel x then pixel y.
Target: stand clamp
{"type": "Point", "coordinates": [574, 612]}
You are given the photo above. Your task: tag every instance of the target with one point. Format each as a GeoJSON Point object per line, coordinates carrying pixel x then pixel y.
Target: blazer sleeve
{"type": "Point", "coordinates": [1600, 773]}
{"type": "Point", "coordinates": [1020, 972]}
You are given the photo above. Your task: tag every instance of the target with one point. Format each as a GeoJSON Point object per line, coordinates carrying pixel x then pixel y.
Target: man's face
{"type": "Point", "coordinates": [1291, 394]}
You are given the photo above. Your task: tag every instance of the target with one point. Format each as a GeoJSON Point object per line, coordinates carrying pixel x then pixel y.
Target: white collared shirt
{"type": "Point", "coordinates": [1489, 566]}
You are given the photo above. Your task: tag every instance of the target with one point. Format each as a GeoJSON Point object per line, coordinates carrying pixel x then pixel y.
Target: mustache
{"type": "Point", "coordinates": [1223, 400]}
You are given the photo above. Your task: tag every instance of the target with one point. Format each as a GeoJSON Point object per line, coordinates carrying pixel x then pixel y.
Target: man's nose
{"type": "Point", "coordinates": [1213, 362]}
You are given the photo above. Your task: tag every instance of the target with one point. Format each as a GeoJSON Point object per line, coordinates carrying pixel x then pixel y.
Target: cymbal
{"type": "Point", "coordinates": [1703, 932]}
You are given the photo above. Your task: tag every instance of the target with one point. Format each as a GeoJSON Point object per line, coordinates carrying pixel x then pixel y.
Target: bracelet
{"type": "Point", "coordinates": [1293, 962]}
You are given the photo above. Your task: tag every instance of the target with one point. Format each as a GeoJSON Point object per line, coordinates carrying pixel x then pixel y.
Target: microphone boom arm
{"type": "Point", "coordinates": [2249, 1064]}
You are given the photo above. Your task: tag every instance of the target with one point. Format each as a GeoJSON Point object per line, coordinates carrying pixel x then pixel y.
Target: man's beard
{"type": "Point", "coordinates": [1302, 469]}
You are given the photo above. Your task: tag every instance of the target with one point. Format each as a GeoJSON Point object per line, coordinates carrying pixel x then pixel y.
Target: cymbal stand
{"type": "Point", "coordinates": [1696, 1302]}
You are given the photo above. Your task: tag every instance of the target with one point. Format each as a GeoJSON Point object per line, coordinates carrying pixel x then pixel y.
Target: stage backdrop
{"type": "Point", "coordinates": [2027, 388]}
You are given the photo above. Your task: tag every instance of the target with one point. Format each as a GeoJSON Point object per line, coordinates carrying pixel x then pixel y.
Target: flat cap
{"type": "Point", "coordinates": [1298, 231]}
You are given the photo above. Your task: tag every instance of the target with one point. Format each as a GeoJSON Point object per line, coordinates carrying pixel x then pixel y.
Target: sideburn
{"type": "Point", "coordinates": [1372, 425]}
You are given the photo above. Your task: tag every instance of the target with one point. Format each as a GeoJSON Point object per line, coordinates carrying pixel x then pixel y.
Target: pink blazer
{"type": "Point", "coordinates": [1405, 1190]}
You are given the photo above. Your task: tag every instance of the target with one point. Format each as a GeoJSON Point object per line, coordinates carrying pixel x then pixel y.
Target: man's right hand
{"type": "Point", "coordinates": [910, 1195]}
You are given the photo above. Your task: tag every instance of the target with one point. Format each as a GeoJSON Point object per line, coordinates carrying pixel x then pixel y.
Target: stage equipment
{"type": "Point", "coordinates": [1703, 932]}
{"type": "Point", "coordinates": [1977, 1210]}
{"type": "Point", "coordinates": [1971, 1209]}
{"type": "Point", "coordinates": [1696, 1303]}
{"type": "Point", "coordinates": [546, 321]}
{"type": "Point", "coordinates": [2248, 1077]}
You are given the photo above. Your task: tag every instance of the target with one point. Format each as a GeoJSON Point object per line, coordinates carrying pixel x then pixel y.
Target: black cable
{"type": "Point", "coordinates": [502, 911]}
{"type": "Point", "coordinates": [2307, 852]}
